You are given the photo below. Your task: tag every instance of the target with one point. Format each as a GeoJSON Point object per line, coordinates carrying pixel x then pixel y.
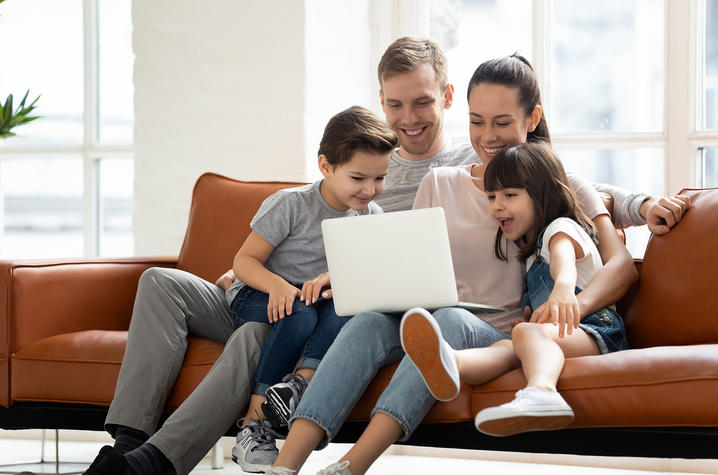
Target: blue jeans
{"type": "Point", "coordinates": [366, 344]}
{"type": "Point", "coordinates": [604, 325]}
{"type": "Point", "coordinates": [305, 335]}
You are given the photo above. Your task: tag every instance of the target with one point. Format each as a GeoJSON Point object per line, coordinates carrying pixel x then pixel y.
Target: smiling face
{"type": "Point", "coordinates": [414, 104]}
{"type": "Point", "coordinates": [355, 183]}
{"type": "Point", "coordinates": [514, 210]}
{"type": "Point", "coordinates": [497, 120]}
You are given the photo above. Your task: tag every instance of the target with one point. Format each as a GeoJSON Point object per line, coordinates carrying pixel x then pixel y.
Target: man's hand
{"type": "Point", "coordinates": [661, 215]}
{"type": "Point", "coordinates": [225, 280]}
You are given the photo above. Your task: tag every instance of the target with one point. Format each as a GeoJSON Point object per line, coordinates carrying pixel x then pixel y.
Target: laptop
{"type": "Point", "coordinates": [392, 262]}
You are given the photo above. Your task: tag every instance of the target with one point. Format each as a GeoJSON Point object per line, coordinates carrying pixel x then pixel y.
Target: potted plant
{"type": "Point", "coordinates": [21, 115]}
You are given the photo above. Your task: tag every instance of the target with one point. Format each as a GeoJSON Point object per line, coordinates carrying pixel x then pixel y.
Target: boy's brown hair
{"type": "Point", "coordinates": [352, 130]}
{"type": "Point", "coordinates": [406, 54]}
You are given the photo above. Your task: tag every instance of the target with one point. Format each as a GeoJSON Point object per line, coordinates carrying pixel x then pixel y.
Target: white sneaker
{"type": "Point", "coordinates": [531, 409]}
{"type": "Point", "coordinates": [431, 354]}
{"type": "Point", "coordinates": [339, 468]}
{"type": "Point", "coordinates": [280, 471]}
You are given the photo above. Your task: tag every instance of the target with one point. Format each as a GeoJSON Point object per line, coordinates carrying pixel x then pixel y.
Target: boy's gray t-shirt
{"type": "Point", "coordinates": [403, 176]}
{"type": "Point", "coordinates": [290, 220]}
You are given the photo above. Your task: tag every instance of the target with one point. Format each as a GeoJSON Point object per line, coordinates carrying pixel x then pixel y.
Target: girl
{"type": "Point", "coordinates": [530, 198]}
{"type": "Point", "coordinates": [282, 264]}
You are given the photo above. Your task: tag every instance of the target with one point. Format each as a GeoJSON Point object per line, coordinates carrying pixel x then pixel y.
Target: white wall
{"type": "Point", "coordinates": [219, 86]}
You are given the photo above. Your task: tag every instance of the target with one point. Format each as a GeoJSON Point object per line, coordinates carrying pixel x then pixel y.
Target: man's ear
{"type": "Point", "coordinates": [324, 166]}
{"type": "Point", "coordinates": [535, 117]}
{"type": "Point", "coordinates": [448, 96]}
{"type": "Point", "coordinates": [381, 98]}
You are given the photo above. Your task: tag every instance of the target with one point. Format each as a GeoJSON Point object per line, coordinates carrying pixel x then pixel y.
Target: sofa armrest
{"type": "Point", "coordinates": [42, 298]}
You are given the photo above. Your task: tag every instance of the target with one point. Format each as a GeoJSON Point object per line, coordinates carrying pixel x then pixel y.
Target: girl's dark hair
{"type": "Point", "coordinates": [535, 168]}
{"type": "Point", "coordinates": [514, 71]}
{"type": "Point", "coordinates": [355, 130]}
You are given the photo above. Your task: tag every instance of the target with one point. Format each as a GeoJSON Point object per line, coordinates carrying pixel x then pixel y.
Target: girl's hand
{"type": "Point", "coordinates": [562, 309]}
{"type": "Point", "coordinates": [281, 299]}
{"type": "Point", "coordinates": [312, 288]}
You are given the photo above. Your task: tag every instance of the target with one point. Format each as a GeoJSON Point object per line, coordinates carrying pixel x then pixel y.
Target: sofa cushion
{"type": "Point", "coordinates": [219, 222]}
{"type": "Point", "coordinates": [82, 367]}
{"type": "Point", "coordinates": [677, 276]}
{"type": "Point", "coordinates": [651, 387]}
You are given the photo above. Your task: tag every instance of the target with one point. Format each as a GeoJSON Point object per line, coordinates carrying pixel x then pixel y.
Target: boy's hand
{"type": "Point", "coordinates": [281, 299]}
{"type": "Point", "coordinates": [312, 288]}
{"type": "Point", "coordinates": [561, 309]}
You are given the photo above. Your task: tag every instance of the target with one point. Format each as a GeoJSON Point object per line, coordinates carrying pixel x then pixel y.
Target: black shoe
{"type": "Point", "coordinates": [93, 466]}
{"type": "Point", "coordinates": [282, 400]}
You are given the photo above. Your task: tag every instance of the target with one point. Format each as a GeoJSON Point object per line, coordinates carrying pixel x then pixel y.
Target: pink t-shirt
{"type": "Point", "coordinates": [480, 276]}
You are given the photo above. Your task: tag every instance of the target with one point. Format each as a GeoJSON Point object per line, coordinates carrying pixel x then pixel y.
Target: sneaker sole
{"type": "Point", "coordinates": [421, 344]}
{"type": "Point", "coordinates": [524, 423]}
{"type": "Point", "coordinates": [250, 467]}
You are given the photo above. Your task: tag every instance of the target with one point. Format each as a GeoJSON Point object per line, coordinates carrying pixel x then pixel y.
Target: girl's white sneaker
{"type": "Point", "coordinates": [431, 354]}
{"type": "Point", "coordinates": [339, 468]}
{"type": "Point", "coordinates": [532, 409]}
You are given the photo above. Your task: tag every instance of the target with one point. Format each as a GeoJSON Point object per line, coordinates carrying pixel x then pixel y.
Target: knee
{"type": "Point", "coordinates": [250, 337]}
{"type": "Point", "coordinates": [451, 321]}
{"type": "Point", "coordinates": [369, 322]}
{"type": "Point", "coordinates": [527, 330]}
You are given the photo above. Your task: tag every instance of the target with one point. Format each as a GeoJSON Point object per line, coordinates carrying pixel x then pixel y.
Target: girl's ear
{"type": "Point", "coordinates": [535, 117]}
{"type": "Point", "coordinates": [324, 166]}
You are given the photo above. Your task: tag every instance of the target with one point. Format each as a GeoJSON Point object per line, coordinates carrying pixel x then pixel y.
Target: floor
{"type": "Point", "coordinates": [398, 460]}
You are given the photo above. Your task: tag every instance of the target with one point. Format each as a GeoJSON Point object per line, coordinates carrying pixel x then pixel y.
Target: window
{"type": "Point", "coordinates": [66, 178]}
{"type": "Point", "coordinates": [605, 70]}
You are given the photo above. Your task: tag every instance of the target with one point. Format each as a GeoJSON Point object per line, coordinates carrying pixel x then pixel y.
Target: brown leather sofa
{"type": "Point", "coordinates": [64, 328]}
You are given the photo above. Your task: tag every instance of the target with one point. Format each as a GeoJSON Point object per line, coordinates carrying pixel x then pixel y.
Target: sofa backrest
{"type": "Point", "coordinates": [674, 303]}
{"type": "Point", "coordinates": [218, 223]}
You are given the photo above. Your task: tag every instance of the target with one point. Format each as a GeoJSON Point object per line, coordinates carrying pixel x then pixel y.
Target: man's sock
{"type": "Point", "coordinates": [127, 438]}
{"type": "Point", "coordinates": [148, 460]}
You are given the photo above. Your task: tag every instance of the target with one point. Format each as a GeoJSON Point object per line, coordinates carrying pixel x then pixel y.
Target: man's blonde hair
{"type": "Point", "coordinates": [406, 54]}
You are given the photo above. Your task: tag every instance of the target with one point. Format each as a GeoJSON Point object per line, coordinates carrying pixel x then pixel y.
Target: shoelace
{"type": "Point", "coordinates": [280, 471]}
{"type": "Point", "coordinates": [263, 435]}
{"type": "Point", "coordinates": [334, 468]}
{"type": "Point", "coordinates": [297, 382]}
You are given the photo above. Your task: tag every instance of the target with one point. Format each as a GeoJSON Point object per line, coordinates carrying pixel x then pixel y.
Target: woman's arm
{"type": "Point", "coordinates": [249, 268]}
{"type": "Point", "coordinates": [615, 277]}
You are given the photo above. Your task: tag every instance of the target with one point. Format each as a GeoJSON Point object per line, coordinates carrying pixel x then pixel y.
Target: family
{"type": "Point", "coordinates": [524, 235]}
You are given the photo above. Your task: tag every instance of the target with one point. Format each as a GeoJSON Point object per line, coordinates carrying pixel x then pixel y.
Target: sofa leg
{"type": "Point", "coordinates": [217, 455]}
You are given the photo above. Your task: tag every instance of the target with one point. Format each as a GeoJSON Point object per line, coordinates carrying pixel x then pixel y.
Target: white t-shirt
{"type": "Point", "coordinates": [588, 265]}
{"type": "Point", "coordinates": [480, 276]}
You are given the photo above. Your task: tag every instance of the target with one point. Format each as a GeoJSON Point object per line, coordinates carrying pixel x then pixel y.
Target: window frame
{"type": "Point", "coordinates": [91, 150]}
{"type": "Point", "coordinates": [684, 32]}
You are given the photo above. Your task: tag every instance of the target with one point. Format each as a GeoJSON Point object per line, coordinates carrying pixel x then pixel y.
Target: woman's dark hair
{"type": "Point", "coordinates": [535, 168]}
{"type": "Point", "coordinates": [355, 130]}
{"type": "Point", "coordinates": [514, 71]}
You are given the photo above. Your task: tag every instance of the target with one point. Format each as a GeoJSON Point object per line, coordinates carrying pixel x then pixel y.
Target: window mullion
{"type": "Point", "coordinates": [90, 117]}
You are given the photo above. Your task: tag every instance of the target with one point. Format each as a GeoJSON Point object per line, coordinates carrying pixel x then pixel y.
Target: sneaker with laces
{"type": "Point", "coordinates": [532, 409]}
{"type": "Point", "coordinates": [431, 354]}
{"type": "Point", "coordinates": [339, 468]}
{"type": "Point", "coordinates": [256, 449]}
{"type": "Point", "coordinates": [280, 471]}
{"type": "Point", "coordinates": [282, 400]}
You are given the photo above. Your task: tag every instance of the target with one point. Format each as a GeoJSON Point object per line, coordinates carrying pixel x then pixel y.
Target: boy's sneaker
{"type": "Point", "coordinates": [431, 354]}
{"type": "Point", "coordinates": [531, 409]}
{"type": "Point", "coordinates": [339, 468]}
{"type": "Point", "coordinates": [256, 449]}
{"type": "Point", "coordinates": [282, 400]}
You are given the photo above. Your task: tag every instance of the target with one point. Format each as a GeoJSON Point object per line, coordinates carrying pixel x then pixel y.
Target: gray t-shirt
{"type": "Point", "coordinates": [290, 220]}
{"type": "Point", "coordinates": [403, 177]}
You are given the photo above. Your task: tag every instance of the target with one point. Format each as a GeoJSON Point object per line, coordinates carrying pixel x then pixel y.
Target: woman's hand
{"type": "Point", "coordinates": [661, 215]}
{"type": "Point", "coordinates": [281, 299]}
{"type": "Point", "coordinates": [312, 288]}
{"type": "Point", "coordinates": [561, 309]}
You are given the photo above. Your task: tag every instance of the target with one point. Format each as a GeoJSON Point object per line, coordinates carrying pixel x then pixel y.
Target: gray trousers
{"type": "Point", "coordinates": [170, 306]}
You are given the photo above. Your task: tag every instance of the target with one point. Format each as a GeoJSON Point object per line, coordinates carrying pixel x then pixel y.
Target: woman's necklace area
{"type": "Point", "coordinates": [478, 181]}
